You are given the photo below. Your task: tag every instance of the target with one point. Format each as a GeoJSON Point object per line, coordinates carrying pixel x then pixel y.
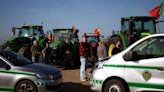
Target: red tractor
{"type": "Point", "coordinates": [92, 39]}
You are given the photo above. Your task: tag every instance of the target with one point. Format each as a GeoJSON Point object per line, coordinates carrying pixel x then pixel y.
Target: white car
{"type": "Point", "coordinates": [140, 67]}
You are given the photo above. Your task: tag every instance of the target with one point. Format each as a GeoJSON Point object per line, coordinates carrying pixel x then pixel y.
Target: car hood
{"type": "Point", "coordinates": [39, 69]}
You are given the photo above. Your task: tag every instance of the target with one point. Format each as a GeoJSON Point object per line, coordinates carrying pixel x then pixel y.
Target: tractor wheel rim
{"type": "Point", "coordinates": [114, 88]}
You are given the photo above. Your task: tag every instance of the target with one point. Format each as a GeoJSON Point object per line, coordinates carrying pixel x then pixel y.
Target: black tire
{"type": "Point", "coordinates": [26, 86]}
{"type": "Point", "coordinates": [115, 85]}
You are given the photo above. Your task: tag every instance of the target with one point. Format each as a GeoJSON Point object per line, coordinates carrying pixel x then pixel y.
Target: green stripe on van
{"type": "Point", "coordinates": [142, 85]}
{"type": "Point", "coordinates": [138, 85]}
{"type": "Point", "coordinates": [6, 90]}
{"type": "Point", "coordinates": [17, 72]}
{"type": "Point", "coordinates": [131, 66]}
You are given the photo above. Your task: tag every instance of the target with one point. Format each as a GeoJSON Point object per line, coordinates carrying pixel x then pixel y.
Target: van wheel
{"type": "Point", "coordinates": [115, 85]}
{"type": "Point", "coordinates": [26, 86]}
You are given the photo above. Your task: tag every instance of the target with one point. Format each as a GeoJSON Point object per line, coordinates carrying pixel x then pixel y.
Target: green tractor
{"type": "Point", "coordinates": [133, 28]}
{"type": "Point", "coordinates": [23, 37]}
{"type": "Point", "coordinates": [65, 45]}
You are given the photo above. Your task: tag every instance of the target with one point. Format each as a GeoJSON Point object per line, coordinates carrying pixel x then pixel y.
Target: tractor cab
{"type": "Point", "coordinates": [29, 31]}
{"type": "Point", "coordinates": [92, 37]}
{"type": "Point", "coordinates": [62, 34]}
{"type": "Point", "coordinates": [136, 27]}
{"type": "Point", "coordinates": [24, 35]}
{"type": "Point", "coordinates": [65, 45]}
{"type": "Point", "coordinates": [133, 28]}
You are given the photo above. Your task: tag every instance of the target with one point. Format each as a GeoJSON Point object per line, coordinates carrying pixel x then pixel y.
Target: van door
{"type": "Point", "coordinates": [146, 67]}
{"type": "Point", "coordinates": [6, 77]}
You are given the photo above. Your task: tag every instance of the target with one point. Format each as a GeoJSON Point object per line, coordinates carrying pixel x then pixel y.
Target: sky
{"type": "Point", "coordinates": [85, 15]}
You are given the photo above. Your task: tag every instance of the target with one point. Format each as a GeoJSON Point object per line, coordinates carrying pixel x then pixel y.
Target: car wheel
{"type": "Point", "coordinates": [26, 86]}
{"type": "Point", "coordinates": [115, 85]}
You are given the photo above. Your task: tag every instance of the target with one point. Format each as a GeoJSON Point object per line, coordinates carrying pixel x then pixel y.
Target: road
{"type": "Point", "coordinates": [72, 81]}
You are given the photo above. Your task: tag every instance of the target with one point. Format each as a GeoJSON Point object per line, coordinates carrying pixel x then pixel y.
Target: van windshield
{"type": "Point", "coordinates": [14, 58]}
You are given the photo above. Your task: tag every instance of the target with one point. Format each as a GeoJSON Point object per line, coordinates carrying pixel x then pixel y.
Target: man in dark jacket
{"type": "Point", "coordinates": [116, 49]}
{"type": "Point", "coordinates": [47, 54]}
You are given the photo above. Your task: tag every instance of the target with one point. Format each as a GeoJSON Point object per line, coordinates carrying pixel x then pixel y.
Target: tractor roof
{"type": "Point", "coordinates": [91, 34]}
{"type": "Point", "coordinates": [28, 26]}
{"type": "Point", "coordinates": [32, 26]}
{"type": "Point", "coordinates": [138, 17]}
{"type": "Point", "coordinates": [65, 29]}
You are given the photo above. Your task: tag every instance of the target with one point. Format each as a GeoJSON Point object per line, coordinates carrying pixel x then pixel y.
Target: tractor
{"type": "Point", "coordinates": [23, 37]}
{"type": "Point", "coordinates": [133, 28]}
{"type": "Point", "coordinates": [92, 39]}
{"type": "Point", "coordinates": [65, 45]}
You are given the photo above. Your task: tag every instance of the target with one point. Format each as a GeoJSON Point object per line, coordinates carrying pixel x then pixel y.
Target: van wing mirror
{"type": "Point", "coordinates": [131, 56]}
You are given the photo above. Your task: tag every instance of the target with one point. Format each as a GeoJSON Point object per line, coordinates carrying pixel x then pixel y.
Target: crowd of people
{"type": "Point", "coordinates": [36, 54]}
{"type": "Point", "coordinates": [87, 52]}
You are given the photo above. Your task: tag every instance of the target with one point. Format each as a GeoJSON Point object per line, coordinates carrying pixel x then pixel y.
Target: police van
{"type": "Point", "coordinates": [138, 68]}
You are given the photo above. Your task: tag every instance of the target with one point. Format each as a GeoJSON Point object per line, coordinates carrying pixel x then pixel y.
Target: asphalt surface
{"type": "Point", "coordinates": [72, 81]}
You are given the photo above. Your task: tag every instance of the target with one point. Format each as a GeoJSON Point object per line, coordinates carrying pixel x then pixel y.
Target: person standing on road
{"type": "Point", "coordinates": [35, 51]}
{"type": "Point", "coordinates": [47, 54]}
{"type": "Point", "coordinates": [116, 49]}
{"type": "Point", "coordinates": [84, 53]}
{"type": "Point", "coordinates": [101, 51]}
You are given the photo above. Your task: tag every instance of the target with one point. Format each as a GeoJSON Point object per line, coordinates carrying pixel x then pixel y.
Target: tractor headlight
{"type": "Point", "coordinates": [54, 48]}
{"type": "Point", "coordinates": [67, 52]}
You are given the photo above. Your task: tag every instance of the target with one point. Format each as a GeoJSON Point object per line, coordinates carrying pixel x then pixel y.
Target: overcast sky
{"type": "Point", "coordinates": [86, 15]}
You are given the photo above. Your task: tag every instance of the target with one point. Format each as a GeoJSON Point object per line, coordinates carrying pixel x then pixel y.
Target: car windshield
{"type": "Point", "coordinates": [14, 58]}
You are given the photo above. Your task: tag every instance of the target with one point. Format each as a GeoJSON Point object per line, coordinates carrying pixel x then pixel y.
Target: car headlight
{"type": "Point", "coordinates": [45, 77]}
{"type": "Point", "coordinates": [100, 64]}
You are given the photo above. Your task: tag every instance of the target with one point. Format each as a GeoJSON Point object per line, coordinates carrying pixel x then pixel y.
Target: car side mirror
{"type": "Point", "coordinates": [7, 67]}
{"type": "Point", "coordinates": [131, 56]}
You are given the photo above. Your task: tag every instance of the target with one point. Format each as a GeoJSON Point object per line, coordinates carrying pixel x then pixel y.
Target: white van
{"type": "Point", "coordinates": [140, 67]}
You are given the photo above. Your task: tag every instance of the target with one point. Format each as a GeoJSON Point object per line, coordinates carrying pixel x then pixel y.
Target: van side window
{"type": "Point", "coordinates": [2, 64]}
{"type": "Point", "coordinates": [150, 48]}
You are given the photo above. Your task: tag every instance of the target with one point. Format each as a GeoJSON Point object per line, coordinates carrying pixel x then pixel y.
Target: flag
{"type": "Point", "coordinates": [97, 31]}
{"type": "Point", "coordinates": [157, 11]}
